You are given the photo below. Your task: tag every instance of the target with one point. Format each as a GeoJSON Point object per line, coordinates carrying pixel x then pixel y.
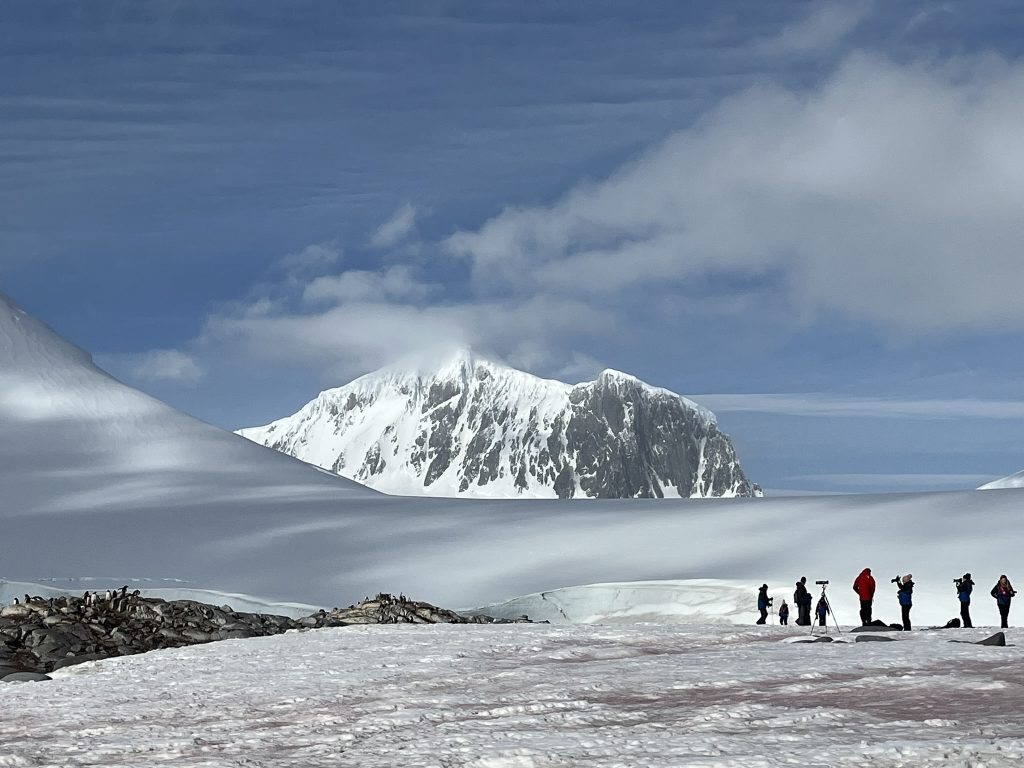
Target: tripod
{"type": "Point", "coordinates": [828, 607]}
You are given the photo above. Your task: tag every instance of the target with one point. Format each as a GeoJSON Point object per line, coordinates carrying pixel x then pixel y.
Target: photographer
{"type": "Point", "coordinates": [1003, 592]}
{"type": "Point", "coordinates": [763, 601]}
{"type": "Point", "coordinates": [964, 587]}
{"type": "Point", "coordinates": [905, 586]}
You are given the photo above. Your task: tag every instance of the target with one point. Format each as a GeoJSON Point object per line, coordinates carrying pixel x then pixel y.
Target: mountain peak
{"type": "Point", "coordinates": [27, 343]}
{"type": "Point", "coordinates": [456, 424]}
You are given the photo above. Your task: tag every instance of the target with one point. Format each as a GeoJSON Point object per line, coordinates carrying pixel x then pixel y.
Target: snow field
{"type": "Point", "coordinates": [527, 696]}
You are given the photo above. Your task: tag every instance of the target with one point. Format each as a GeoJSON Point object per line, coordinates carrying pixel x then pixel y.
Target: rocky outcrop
{"type": "Point", "coordinates": [40, 635]}
{"type": "Point", "coordinates": [388, 609]}
{"type": "Point", "coordinates": [471, 427]}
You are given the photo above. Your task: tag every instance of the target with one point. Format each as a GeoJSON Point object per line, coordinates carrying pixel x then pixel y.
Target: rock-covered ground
{"type": "Point", "coordinates": [45, 634]}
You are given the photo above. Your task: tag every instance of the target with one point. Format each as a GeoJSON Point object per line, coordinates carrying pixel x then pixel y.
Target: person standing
{"type": "Point", "coordinates": [822, 610]}
{"type": "Point", "coordinates": [905, 596]}
{"type": "Point", "coordinates": [1003, 592]}
{"type": "Point", "coordinates": [964, 587]}
{"type": "Point", "coordinates": [762, 603]}
{"type": "Point", "coordinates": [864, 586]}
{"type": "Point", "coordinates": [784, 614]}
{"type": "Point", "coordinates": [802, 598]}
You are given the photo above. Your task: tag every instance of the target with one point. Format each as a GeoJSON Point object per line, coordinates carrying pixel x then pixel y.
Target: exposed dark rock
{"type": "Point", "coordinates": [42, 635]}
{"type": "Point", "coordinates": [388, 609]}
{"type": "Point", "coordinates": [24, 677]}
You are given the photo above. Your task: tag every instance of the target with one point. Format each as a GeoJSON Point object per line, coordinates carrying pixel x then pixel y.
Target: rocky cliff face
{"type": "Point", "coordinates": [470, 427]}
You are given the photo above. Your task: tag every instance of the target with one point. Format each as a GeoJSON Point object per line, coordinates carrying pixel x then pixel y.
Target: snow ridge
{"type": "Point", "coordinates": [1016, 480]}
{"type": "Point", "coordinates": [468, 426]}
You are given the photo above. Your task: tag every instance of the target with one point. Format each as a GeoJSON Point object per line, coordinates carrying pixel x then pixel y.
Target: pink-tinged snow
{"type": "Point", "coordinates": [530, 696]}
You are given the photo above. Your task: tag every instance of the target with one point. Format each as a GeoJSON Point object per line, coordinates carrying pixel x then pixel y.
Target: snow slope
{"type": "Point", "coordinates": [469, 427]}
{"type": "Point", "coordinates": [1016, 480]}
{"type": "Point", "coordinates": [531, 697]}
{"type": "Point", "coordinates": [104, 485]}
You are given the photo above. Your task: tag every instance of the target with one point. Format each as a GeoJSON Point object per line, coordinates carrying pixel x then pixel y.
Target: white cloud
{"type": "Point", "coordinates": [313, 259]}
{"type": "Point", "coordinates": [816, 405]}
{"type": "Point", "coordinates": [891, 194]}
{"type": "Point", "coordinates": [162, 365]}
{"type": "Point", "coordinates": [824, 27]}
{"type": "Point", "coordinates": [348, 339]}
{"type": "Point", "coordinates": [395, 229]}
{"type": "Point", "coordinates": [871, 480]}
{"type": "Point", "coordinates": [364, 285]}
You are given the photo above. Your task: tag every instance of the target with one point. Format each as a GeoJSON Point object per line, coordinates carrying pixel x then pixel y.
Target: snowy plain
{"type": "Point", "coordinates": [103, 486]}
{"type": "Point", "coordinates": [531, 696]}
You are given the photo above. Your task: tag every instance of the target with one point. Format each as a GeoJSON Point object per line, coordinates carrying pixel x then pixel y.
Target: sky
{"type": "Point", "coordinates": [805, 216]}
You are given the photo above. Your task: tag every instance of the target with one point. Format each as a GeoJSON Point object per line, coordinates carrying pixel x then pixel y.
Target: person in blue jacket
{"type": "Point", "coordinates": [1003, 592]}
{"type": "Point", "coordinates": [964, 587]}
{"type": "Point", "coordinates": [905, 596]}
{"type": "Point", "coordinates": [821, 609]}
{"type": "Point", "coordinates": [762, 603]}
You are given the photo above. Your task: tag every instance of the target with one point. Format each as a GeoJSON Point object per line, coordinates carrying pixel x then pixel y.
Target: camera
{"type": "Point", "coordinates": [771, 600]}
{"type": "Point", "coordinates": [822, 583]}
{"type": "Point", "coordinates": [895, 581]}
{"type": "Point", "coordinates": [958, 582]}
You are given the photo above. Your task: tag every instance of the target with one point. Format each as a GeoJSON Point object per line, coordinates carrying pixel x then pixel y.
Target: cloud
{"type": "Point", "coordinates": [888, 194]}
{"type": "Point", "coordinates": [161, 365]}
{"type": "Point", "coordinates": [395, 229]}
{"type": "Point", "coordinates": [351, 338]}
{"type": "Point", "coordinates": [313, 259]}
{"type": "Point", "coordinates": [874, 481]}
{"type": "Point", "coordinates": [824, 27]}
{"type": "Point", "coordinates": [816, 405]}
{"type": "Point", "coordinates": [365, 285]}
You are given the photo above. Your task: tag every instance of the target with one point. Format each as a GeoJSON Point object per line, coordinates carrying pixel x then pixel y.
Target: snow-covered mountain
{"type": "Point", "coordinates": [1016, 480]}
{"type": "Point", "coordinates": [471, 427]}
{"type": "Point", "coordinates": [101, 485]}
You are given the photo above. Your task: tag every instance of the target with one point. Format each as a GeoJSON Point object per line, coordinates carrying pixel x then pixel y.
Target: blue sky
{"type": "Point", "coordinates": [806, 216]}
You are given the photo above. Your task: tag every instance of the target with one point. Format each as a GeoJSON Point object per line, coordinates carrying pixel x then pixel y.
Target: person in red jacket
{"type": "Point", "coordinates": [864, 586]}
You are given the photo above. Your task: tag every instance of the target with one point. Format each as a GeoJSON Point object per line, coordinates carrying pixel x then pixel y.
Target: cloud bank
{"type": "Point", "coordinates": [888, 195]}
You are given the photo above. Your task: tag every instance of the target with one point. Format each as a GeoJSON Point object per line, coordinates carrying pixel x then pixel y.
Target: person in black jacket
{"type": "Point", "coordinates": [1003, 592]}
{"type": "Point", "coordinates": [762, 603]}
{"type": "Point", "coordinates": [964, 587]}
{"type": "Point", "coordinates": [802, 598]}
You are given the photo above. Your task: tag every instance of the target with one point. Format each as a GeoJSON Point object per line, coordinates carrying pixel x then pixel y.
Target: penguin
{"type": "Point", "coordinates": [16, 601]}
